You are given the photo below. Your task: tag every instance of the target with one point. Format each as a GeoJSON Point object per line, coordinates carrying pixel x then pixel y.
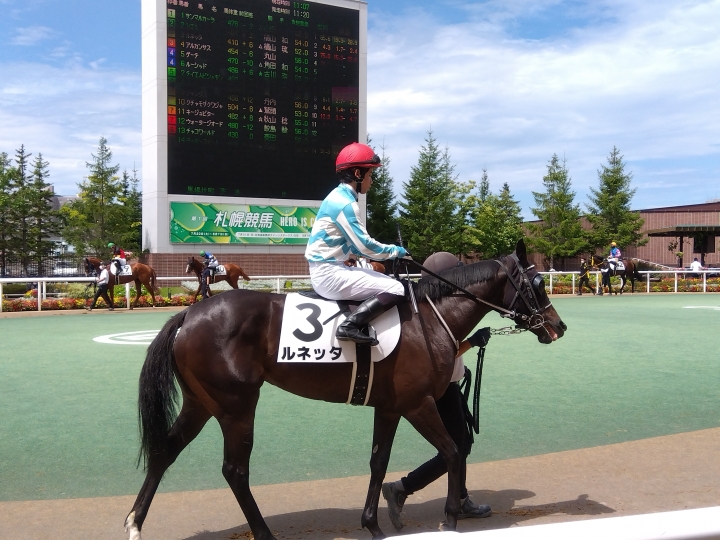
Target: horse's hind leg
{"type": "Point", "coordinates": [383, 434]}
{"type": "Point", "coordinates": [186, 427]}
{"type": "Point", "coordinates": [238, 434]}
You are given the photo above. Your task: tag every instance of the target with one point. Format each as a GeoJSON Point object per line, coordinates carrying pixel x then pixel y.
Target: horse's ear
{"type": "Point", "coordinates": [521, 252]}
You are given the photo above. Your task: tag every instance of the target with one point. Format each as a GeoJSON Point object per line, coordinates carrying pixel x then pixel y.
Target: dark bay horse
{"type": "Point", "coordinates": [142, 274]}
{"type": "Point", "coordinates": [222, 350]}
{"type": "Point", "coordinates": [630, 273]}
{"type": "Point", "coordinates": [233, 274]}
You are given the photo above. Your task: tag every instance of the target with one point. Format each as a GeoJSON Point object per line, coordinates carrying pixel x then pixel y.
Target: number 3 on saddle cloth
{"type": "Point", "coordinates": [307, 333]}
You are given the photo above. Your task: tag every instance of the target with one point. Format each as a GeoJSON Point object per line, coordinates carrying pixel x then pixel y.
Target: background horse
{"type": "Point", "coordinates": [142, 274]}
{"type": "Point", "coordinates": [222, 350]}
{"type": "Point", "coordinates": [233, 273]}
{"type": "Point", "coordinates": [630, 273]}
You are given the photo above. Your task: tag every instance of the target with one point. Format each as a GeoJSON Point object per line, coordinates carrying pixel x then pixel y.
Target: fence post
{"type": "Point", "coordinates": [127, 294]}
{"type": "Point", "coordinates": [573, 283]}
{"type": "Point", "coordinates": [39, 295]}
{"type": "Point", "coordinates": [597, 283]}
{"type": "Point", "coordinates": [704, 283]}
{"type": "Point", "coordinates": [277, 285]}
{"type": "Point", "coordinates": [676, 275]}
{"type": "Point", "coordinates": [551, 282]}
{"type": "Point", "coordinates": [1, 296]}
{"type": "Point", "coordinates": [648, 282]}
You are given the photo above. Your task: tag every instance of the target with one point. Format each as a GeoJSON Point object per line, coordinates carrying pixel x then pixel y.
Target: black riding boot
{"type": "Point", "coordinates": [351, 328]}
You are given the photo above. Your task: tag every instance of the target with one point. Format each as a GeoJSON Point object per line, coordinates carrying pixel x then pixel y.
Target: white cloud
{"type": "Point", "coordinates": [31, 35]}
{"type": "Point", "coordinates": [646, 83]}
{"type": "Point", "coordinates": [62, 112]}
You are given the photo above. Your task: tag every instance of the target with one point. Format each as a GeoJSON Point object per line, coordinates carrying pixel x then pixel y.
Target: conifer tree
{"type": "Point", "coordinates": [428, 215]}
{"type": "Point", "coordinates": [381, 205]}
{"type": "Point", "coordinates": [559, 234]}
{"type": "Point", "coordinates": [609, 209]}
{"type": "Point", "coordinates": [497, 221]}
{"type": "Point", "coordinates": [130, 196]}
{"type": "Point", "coordinates": [95, 219]}
{"type": "Point", "coordinates": [43, 221]}
{"type": "Point", "coordinates": [7, 173]}
{"type": "Point", "coordinates": [20, 209]}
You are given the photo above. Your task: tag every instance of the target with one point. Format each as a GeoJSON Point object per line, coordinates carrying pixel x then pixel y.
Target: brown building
{"type": "Point", "coordinates": [656, 250]}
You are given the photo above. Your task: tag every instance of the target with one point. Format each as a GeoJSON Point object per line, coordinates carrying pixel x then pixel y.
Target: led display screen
{"type": "Point", "coordinates": [262, 94]}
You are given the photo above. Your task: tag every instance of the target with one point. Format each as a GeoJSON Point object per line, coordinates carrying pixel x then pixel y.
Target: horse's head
{"type": "Point", "coordinates": [191, 262]}
{"type": "Point", "coordinates": [525, 295]}
{"type": "Point", "coordinates": [90, 269]}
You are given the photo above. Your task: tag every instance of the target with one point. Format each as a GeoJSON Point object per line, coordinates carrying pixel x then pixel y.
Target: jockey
{"type": "Point", "coordinates": [211, 264]}
{"type": "Point", "coordinates": [338, 233]}
{"type": "Point", "coordinates": [118, 257]}
{"type": "Point", "coordinates": [614, 255]}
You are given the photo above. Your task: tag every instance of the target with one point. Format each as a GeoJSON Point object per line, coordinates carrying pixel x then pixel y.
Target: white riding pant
{"type": "Point", "coordinates": [123, 262]}
{"type": "Point", "coordinates": [339, 282]}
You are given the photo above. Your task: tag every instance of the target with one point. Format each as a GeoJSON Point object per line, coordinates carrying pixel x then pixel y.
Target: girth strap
{"type": "Point", "coordinates": [362, 376]}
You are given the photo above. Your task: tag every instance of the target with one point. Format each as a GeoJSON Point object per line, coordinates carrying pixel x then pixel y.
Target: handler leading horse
{"type": "Point", "coordinates": [222, 350]}
{"type": "Point", "coordinates": [142, 274]}
{"type": "Point", "coordinates": [629, 273]}
{"type": "Point", "coordinates": [233, 273]}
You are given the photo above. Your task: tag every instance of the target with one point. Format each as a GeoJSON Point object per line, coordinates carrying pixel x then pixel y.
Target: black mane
{"type": "Point", "coordinates": [464, 276]}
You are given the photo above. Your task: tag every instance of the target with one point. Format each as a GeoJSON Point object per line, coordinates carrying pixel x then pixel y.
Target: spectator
{"type": "Point", "coordinates": [695, 266]}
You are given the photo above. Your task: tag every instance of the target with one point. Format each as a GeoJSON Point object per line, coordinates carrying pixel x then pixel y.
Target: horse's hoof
{"type": "Point", "coordinates": [445, 527]}
{"type": "Point", "coordinates": [131, 528]}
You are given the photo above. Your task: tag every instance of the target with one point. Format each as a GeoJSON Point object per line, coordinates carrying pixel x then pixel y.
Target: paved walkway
{"type": "Point", "coordinates": [667, 473]}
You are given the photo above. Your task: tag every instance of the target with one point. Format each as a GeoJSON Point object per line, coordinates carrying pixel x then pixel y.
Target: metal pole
{"type": "Point", "coordinates": [676, 275]}
{"type": "Point", "coordinates": [277, 285]}
{"type": "Point", "coordinates": [39, 295]}
{"type": "Point", "coordinates": [573, 283]}
{"type": "Point", "coordinates": [647, 279]}
{"type": "Point", "coordinates": [704, 283]}
{"type": "Point", "coordinates": [1, 296]}
{"type": "Point", "coordinates": [551, 282]}
{"type": "Point", "coordinates": [127, 294]}
{"type": "Point", "coordinates": [597, 283]}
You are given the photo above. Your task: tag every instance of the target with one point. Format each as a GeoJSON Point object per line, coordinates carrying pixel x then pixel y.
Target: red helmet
{"type": "Point", "coordinates": [357, 155]}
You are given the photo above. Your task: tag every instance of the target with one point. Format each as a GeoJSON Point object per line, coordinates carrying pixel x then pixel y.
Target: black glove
{"type": "Point", "coordinates": [480, 338]}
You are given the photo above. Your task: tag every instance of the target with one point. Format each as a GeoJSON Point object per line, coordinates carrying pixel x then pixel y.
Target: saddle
{"type": "Point", "coordinates": [308, 330]}
{"type": "Point", "coordinates": [126, 270]}
{"type": "Point", "coordinates": [307, 335]}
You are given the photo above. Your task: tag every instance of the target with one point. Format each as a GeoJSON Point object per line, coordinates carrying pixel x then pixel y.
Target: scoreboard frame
{"type": "Point", "coordinates": [156, 199]}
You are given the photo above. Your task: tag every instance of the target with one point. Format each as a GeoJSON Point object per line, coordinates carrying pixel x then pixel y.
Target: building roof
{"type": "Point", "coordinates": [713, 206]}
{"type": "Point", "coordinates": [685, 230]}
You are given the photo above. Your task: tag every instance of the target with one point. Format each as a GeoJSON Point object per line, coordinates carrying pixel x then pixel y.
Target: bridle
{"type": "Point", "coordinates": [530, 298]}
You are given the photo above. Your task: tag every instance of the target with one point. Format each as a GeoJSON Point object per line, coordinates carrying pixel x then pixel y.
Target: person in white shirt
{"type": "Point", "coordinates": [102, 282]}
{"type": "Point", "coordinates": [695, 266]}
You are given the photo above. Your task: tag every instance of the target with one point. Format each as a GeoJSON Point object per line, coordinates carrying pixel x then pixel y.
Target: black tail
{"type": "Point", "coordinates": [157, 397]}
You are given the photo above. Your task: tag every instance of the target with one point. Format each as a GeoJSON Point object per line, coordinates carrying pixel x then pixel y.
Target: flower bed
{"type": "Point", "coordinates": [22, 304]}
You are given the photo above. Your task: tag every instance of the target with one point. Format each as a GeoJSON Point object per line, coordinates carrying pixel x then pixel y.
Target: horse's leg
{"type": "Point", "coordinates": [383, 434]}
{"type": "Point", "coordinates": [238, 434]}
{"type": "Point", "coordinates": [138, 290]}
{"type": "Point", "coordinates": [187, 425]}
{"type": "Point", "coordinates": [623, 280]}
{"type": "Point", "coordinates": [426, 420]}
{"type": "Point", "coordinates": [232, 280]}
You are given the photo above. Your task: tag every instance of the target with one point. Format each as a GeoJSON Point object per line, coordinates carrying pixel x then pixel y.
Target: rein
{"type": "Point", "coordinates": [533, 321]}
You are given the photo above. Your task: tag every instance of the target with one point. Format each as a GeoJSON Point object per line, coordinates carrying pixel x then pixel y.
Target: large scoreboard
{"type": "Point", "coordinates": [246, 102]}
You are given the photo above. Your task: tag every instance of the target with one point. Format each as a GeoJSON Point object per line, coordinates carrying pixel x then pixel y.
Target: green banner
{"type": "Point", "coordinates": [195, 223]}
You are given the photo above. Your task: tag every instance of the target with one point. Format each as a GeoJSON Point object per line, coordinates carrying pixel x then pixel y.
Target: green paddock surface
{"type": "Point", "coordinates": [629, 368]}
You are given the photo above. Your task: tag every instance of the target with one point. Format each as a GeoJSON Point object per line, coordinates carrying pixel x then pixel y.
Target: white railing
{"type": "Point", "coordinates": [647, 273]}
{"type": "Point", "coordinates": [278, 279]}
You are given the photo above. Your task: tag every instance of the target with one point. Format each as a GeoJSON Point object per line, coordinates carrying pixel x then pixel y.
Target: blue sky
{"type": "Point", "coordinates": [503, 84]}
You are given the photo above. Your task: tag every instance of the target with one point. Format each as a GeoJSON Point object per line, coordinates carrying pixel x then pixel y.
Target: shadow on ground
{"type": "Point", "coordinates": [334, 523]}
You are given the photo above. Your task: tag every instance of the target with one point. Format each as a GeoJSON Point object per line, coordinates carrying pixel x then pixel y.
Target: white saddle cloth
{"type": "Point", "coordinates": [126, 270]}
{"type": "Point", "coordinates": [220, 270]}
{"type": "Point", "coordinates": [308, 329]}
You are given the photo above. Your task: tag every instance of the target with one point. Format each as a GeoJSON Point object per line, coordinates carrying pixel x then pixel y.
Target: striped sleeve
{"type": "Point", "coordinates": [353, 229]}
